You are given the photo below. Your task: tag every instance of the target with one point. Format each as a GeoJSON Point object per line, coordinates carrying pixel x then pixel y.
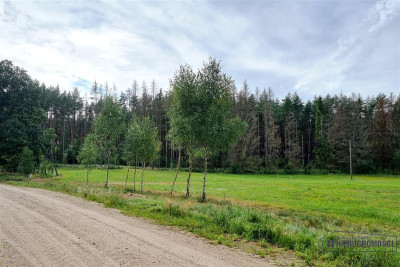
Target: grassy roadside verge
{"type": "Point", "coordinates": [230, 224]}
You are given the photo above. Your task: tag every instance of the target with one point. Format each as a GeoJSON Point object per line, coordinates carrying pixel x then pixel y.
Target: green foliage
{"type": "Point", "coordinates": [308, 168]}
{"type": "Point", "coordinates": [71, 155]}
{"type": "Point", "coordinates": [182, 110]}
{"type": "Point", "coordinates": [47, 138]}
{"type": "Point", "coordinates": [26, 161]}
{"type": "Point", "coordinates": [199, 113]}
{"type": "Point", "coordinates": [20, 114]}
{"type": "Point", "coordinates": [89, 154]}
{"type": "Point", "coordinates": [132, 142]}
{"type": "Point", "coordinates": [45, 167]}
{"type": "Point", "coordinates": [289, 168]}
{"type": "Point", "coordinates": [213, 125]}
{"type": "Point", "coordinates": [201, 109]}
{"type": "Point", "coordinates": [109, 126]}
{"type": "Point", "coordinates": [149, 143]}
{"type": "Point", "coordinates": [396, 160]}
{"type": "Point", "coordinates": [272, 140]}
{"type": "Point", "coordinates": [244, 155]}
{"type": "Point", "coordinates": [323, 149]}
{"type": "Point", "coordinates": [383, 137]}
{"type": "Point", "coordinates": [216, 129]}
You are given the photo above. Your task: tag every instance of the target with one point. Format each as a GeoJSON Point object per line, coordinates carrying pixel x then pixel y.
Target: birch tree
{"type": "Point", "coordinates": [89, 155]}
{"type": "Point", "coordinates": [131, 149]}
{"type": "Point", "coordinates": [109, 127]}
{"type": "Point", "coordinates": [149, 145]}
{"type": "Point", "coordinates": [216, 129]}
{"type": "Point", "coordinates": [182, 112]}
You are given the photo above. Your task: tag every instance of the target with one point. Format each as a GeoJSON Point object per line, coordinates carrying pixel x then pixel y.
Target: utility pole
{"type": "Point", "coordinates": [351, 167]}
{"type": "Point", "coordinates": [63, 142]}
{"type": "Point", "coordinates": [302, 149]}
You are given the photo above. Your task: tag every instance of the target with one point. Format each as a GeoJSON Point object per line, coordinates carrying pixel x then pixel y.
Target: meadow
{"type": "Point", "coordinates": [274, 213]}
{"type": "Point", "coordinates": [368, 200]}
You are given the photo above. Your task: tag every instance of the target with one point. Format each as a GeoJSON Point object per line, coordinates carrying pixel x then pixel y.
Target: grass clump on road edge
{"type": "Point", "coordinates": [225, 223]}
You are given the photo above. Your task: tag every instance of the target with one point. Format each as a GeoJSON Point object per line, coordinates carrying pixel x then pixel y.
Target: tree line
{"type": "Point", "coordinates": [50, 126]}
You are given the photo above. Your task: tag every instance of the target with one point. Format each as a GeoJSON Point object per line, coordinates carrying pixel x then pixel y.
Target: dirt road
{"type": "Point", "coordinates": [43, 228]}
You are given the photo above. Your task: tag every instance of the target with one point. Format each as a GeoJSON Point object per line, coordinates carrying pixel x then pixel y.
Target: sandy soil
{"type": "Point", "coordinates": [43, 228]}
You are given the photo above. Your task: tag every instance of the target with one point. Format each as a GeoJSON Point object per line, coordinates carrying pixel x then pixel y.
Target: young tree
{"type": "Point", "coordinates": [131, 148]}
{"type": "Point", "coordinates": [149, 145]}
{"type": "Point", "coordinates": [182, 113]}
{"type": "Point", "coordinates": [89, 154]}
{"type": "Point", "coordinates": [48, 137]}
{"type": "Point", "coordinates": [178, 165]}
{"type": "Point", "coordinates": [26, 161]}
{"type": "Point", "coordinates": [109, 126]}
{"type": "Point", "coordinates": [216, 129]}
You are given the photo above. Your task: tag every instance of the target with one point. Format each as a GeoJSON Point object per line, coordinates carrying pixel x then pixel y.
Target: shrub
{"type": "Point", "coordinates": [289, 168]}
{"type": "Point", "coordinates": [308, 168]}
{"type": "Point", "coordinates": [396, 160]}
{"type": "Point", "coordinates": [45, 166]}
{"type": "Point", "coordinates": [26, 161]}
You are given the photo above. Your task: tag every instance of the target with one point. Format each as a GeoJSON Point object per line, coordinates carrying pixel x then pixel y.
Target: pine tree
{"type": "Point", "coordinates": [322, 150]}
{"type": "Point", "coordinates": [153, 89]}
{"type": "Point", "coordinates": [95, 91]}
{"type": "Point", "coordinates": [244, 156]}
{"type": "Point", "coordinates": [134, 100]}
{"type": "Point", "coordinates": [383, 133]}
{"type": "Point", "coordinates": [396, 131]}
{"type": "Point", "coordinates": [292, 143]}
{"type": "Point", "coordinates": [271, 132]}
{"type": "Point", "coordinates": [145, 101]}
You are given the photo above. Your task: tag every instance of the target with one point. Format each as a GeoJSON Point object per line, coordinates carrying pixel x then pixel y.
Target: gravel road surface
{"type": "Point", "coordinates": [44, 228]}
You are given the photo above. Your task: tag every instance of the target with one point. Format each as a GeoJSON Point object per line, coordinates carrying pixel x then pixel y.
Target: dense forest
{"type": "Point", "coordinates": [51, 125]}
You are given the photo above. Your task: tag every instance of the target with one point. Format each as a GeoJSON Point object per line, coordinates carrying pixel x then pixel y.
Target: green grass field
{"type": "Point", "coordinates": [273, 213]}
{"type": "Point", "coordinates": [372, 201]}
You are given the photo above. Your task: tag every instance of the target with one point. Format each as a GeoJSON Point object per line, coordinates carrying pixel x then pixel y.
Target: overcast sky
{"type": "Point", "coordinates": [312, 47]}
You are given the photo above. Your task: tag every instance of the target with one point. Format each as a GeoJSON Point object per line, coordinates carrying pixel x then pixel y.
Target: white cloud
{"type": "Point", "coordinates": [329, 72]}
{"type": "Point", "coordinates": [267, 43]}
